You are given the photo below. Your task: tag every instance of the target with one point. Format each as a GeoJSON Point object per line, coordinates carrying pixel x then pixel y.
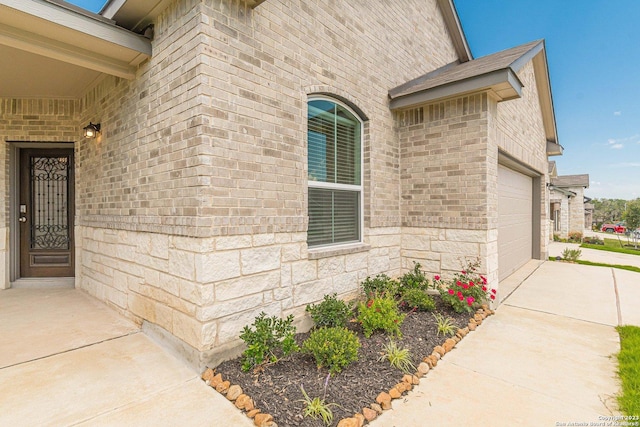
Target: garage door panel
{"type": "Point", "coordinates": [515, 227]}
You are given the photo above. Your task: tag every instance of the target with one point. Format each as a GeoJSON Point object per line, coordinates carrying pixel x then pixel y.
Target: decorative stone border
{"type": "Point", "coordinates": [383, 401]}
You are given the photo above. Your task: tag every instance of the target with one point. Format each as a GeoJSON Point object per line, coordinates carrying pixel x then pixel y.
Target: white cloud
{"type": "Point", "coordinates": [596, 183]}
{"type": "Point", "coordinates": [616, 146]}
{"type": "Point", "coordinates": [617, 113]}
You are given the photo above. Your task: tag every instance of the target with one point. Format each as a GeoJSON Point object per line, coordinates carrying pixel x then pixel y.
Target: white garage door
{"type": "Point", "coordinates": [515, 228]}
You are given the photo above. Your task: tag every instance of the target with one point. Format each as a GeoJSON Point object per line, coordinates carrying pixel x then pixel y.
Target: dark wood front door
{"type": "Point", "coordinates": [46, 212]}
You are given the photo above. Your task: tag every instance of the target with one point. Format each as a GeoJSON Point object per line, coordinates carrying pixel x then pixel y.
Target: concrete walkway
{"type": "Point", "coordinates": [544, 359]}
{"type": "Point", "coordinates": [68, 360]}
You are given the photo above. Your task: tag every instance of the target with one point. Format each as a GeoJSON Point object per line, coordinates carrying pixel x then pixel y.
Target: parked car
{"type": "Point", "coordinates": [613, 228]}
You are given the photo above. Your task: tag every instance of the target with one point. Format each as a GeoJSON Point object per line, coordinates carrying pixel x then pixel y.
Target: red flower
{"type": "Point", "coordinates": [470, 301]}
{"type": "Point", "coordinates": [369, 303]}
{"type": "Point", "coordinates": [436, 277]}
{"type": "Point", "coordinates": [484, 279]}
{"type": "Point", "coordinates": [463, 272]}
{"type": "Point", "coordinates": [451, 292]}
{"type": "Point", "coordinates": [493, 297]}
{"type": "Point", "coordinates": [460, 294]}
{"type": "Point", "coordinates": [484, 288]}
{"type": "Point", "coordinates": [461, 298]}
{"type": "Point", "coordinates": [471, 284]}
{"type": "Point", "coordinates": [493, 291]}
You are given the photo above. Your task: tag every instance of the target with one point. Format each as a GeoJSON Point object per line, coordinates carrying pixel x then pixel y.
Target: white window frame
{"type": "Point", "coordinates": [338, 186]}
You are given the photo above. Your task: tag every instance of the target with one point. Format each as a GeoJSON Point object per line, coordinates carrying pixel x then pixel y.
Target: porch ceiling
{"type": "Point", "coordinates": [50, 50]}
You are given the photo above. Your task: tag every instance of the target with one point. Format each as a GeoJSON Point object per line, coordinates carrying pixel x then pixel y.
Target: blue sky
{"type": "Point", "coordinates": [92, 5]}
{"type": "Point", "coordinates": [593, 51]}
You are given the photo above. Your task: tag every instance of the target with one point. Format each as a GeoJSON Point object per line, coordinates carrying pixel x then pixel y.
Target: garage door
{"type": "Point", "coordinates": [515, 228]}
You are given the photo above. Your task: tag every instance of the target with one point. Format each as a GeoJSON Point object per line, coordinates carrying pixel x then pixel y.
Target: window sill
{"type": "Point", "coordinates": [327, 252]}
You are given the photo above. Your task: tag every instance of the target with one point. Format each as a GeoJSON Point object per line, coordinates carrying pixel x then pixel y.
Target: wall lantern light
{"type": "Point", "coordinates": [91, 130]}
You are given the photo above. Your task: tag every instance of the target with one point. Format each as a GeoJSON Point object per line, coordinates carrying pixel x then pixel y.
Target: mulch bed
{"type": "Point", "coordinates": [275, 389]}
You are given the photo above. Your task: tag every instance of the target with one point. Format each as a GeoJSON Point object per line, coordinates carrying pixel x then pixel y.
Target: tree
{"type": "Point", "coordinates": [632, 218]}
{"type": "Point", "coordinates": [608, 210]}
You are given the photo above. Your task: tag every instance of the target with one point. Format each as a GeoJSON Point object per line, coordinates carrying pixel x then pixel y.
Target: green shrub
{"type": "Point", "coordinates": [333, 348]}
{"type": "Point", "coordinates": [445, 325]}
{"type": "Point", "coordinates": [593, 240]}
{"type": "Point", "coordinates": [317, 408]}
{"type": "Point", "coordinates": [571, 255]}
{"type": "Point", "coordinates": [398, 357]}
{"type": "Point", "coordinates": [467, 290]}
{"type": "Point", "coordinates": [330, 312]}
{"type": "Point", "coordinates": [379, 286]}
{"type": "Point", "coordinates": [269, 339]}
{"type": "Point", "coordinates": [417, 299]}
{"type": "Point", "coordinates": [414, 279]}
{"type": "Point", "coordinates": [380, 313]}
{"type": "Point", "coordinates": [575, 237]}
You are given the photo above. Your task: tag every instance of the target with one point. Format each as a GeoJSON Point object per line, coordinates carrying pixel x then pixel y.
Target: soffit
{"type": "Point", "coordinates": [36, 34]}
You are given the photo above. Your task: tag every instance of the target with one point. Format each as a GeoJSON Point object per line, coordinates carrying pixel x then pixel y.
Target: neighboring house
{"type": "Point", "coordinates": [257, 155]}
{"type": "Point", "coordinates": [570, 211]}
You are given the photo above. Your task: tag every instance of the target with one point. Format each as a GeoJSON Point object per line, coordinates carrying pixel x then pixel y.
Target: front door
{"type": "Point", "coordinates": [46, 212]}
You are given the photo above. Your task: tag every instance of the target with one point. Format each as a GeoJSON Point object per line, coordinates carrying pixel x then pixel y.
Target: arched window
{"type": "Point", "coordinates": [334, 136]}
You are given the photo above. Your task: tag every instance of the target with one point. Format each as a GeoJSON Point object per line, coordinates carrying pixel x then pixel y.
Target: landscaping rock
{"type": "Point", "coordinates": [207, 375]}
{"type": "Point", "coordinates": [234, 392]}
{"type": "Point", "coordinates": [434, 360]}
{"type": "Point", "coordinates": [376, 408]}
{"type": "Point", "coordinates": [402, 387]}
{"type": "Point", "coordinates": [472, 326]}
{"type": "Point", "coordinates": [369, 414]}
{"type": "Point", "coordinates": [241, 401]}
{"type": "Point", "coordinates": [263, 420]}
{"type": "Point", "coordinates": [440, 350]}
{"type": "Point", "coordinates": [217, 379]}
{"type": "Point", "coordinates": [384, 400]}
{"type": "Point", "coordinates": [394, 393]}
{"type": "Point", "coordinates": [449, 344]}
{"type": "Point", "coordinates": [423, 369]}
{"type": "Point", "coordinates": [223, 387]}
{"type": "Point", "coordinates": [407, 379]}
{"type": "Point", "coordinates": [348, 422]}
{"type": "Point", "coordinates": [457, 338]}
{"type": "Point", "coordinates": [437, 354]}
{"type": "Point", "coordinates": [252, 413]}
{"type": "Point", "coordinates": [360, 418]}
{"type": "Point", "coordinates": [478, 318]}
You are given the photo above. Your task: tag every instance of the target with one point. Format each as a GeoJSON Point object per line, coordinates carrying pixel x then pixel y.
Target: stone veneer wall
{"type": "Point", "coordinates": [576, 210]}
{"type": "Point", "coordinates": [192, 203]}
{"type": "Point", "coordinates": [28, 120]}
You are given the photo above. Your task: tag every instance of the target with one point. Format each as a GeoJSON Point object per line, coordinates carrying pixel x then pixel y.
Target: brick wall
{"type": "Point", "coordinates": [192, 214]}
{"type": "Point", "coordinates": [28, 121]}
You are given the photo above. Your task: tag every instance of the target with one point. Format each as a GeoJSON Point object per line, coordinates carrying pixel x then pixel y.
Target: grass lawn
{"type": "Point", "coordinates": [599, 264]}
{"type": "Point", "coordinates": [613, 245]}
{"type": "Point", "coordinates": [629, 370]}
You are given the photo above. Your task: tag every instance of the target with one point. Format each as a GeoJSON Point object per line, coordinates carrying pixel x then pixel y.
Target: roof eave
{"type": "Point", "coordinates": [452, 21]}
{"type": "Point", "coordinates": [554, 149]}
{"type": "Point", "coordinates": [504, 84]}
{"type": "Point", "coordinates": [131, 46]}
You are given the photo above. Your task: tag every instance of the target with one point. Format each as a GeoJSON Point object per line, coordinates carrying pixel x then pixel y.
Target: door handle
{"type": "Point", "coordinates": [22, 219]}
